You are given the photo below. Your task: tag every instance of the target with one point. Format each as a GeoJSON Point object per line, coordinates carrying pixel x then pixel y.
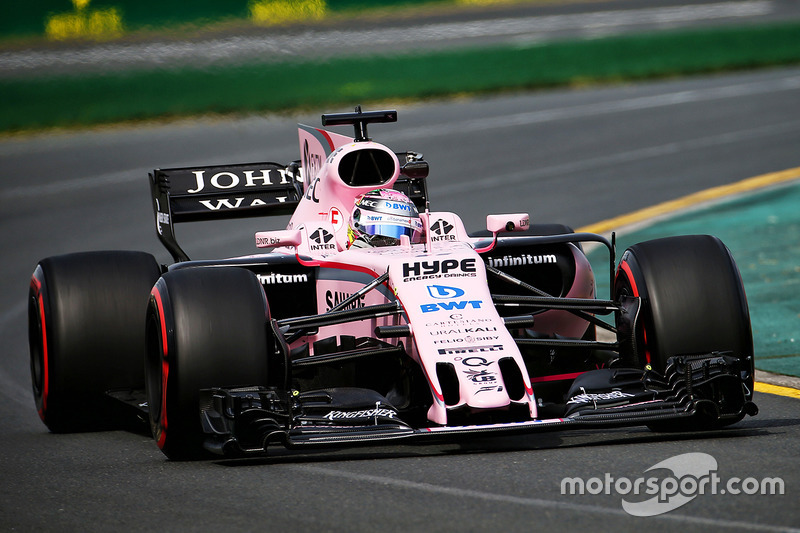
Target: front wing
{"type": "Point", "coordinates": [696, 392]}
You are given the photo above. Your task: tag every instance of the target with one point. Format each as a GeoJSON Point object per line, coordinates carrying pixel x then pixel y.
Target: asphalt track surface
{"type": "Point", "coordinates": [575, 157]}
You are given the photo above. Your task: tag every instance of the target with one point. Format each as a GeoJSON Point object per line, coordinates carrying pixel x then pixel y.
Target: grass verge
{"type": "Point", "coordinates": [70, 101]}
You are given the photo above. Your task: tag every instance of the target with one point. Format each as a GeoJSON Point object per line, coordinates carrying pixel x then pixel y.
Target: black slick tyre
{"type": "Point", "coordinates": [86, 318]}
{"type": "Point", "coordinates": [692, 302]}
{"type": "Point", "coordinates": [206, 327]}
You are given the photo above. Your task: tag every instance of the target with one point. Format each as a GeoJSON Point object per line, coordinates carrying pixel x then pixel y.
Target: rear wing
{"type": "Point", "coordinates": [248, 190]}
{"type": "Point", "coordinates": [263, 189]}
{"type": "Point", "coordinates": [221, 192]}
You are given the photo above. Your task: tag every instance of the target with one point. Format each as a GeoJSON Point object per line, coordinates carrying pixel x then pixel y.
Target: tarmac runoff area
{"type": "Point", "coordinates": [759, 220]}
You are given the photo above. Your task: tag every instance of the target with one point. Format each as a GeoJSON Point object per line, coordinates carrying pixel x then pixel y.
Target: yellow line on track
{"type": "Point", "coordinates": [708, 195]}
{"type": "Point", "coordinates": [777, 389]}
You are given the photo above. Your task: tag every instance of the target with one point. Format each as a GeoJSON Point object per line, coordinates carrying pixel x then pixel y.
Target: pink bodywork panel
{"type": "Point", "coordinates": [440, 284]}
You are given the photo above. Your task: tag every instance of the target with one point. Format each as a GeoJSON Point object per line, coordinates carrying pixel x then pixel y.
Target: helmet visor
{"type": "Point", "coordinates": [389, 234]}
{"type": "Point", "coordinates": [392, 231]}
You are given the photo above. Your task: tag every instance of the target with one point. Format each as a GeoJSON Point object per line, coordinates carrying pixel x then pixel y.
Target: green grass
{"type": "Point", "coordinates": [70, 101]}
{"type": "Point", "coordinates": [28, 19]}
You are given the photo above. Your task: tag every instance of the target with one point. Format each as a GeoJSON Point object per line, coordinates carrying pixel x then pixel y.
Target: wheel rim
{"type": "Point", "coordinates": [625, 286]}
{"type": "Point", "coordinates": [154, 370]}
{"type": "Point", "coordinates": [36, 343]}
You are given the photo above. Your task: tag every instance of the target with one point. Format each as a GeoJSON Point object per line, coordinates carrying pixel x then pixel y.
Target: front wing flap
{"type": "Point", "coordinates": [247, 421]}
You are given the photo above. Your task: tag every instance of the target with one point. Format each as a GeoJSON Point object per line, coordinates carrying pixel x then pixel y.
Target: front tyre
{"type": "Point", "coordinates": [206, 327]}
{"type": "Point", "coordinates": [692, 302]}
{"type": "Point", "coordinates": [85, 333]}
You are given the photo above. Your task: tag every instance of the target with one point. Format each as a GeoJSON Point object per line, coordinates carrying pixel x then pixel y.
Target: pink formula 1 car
{"type": "Point", "coordinates": [372, 318]}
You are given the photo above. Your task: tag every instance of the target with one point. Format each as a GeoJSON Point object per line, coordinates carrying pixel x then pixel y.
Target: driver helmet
{"type": "Point", "coordinates": [381, 216]}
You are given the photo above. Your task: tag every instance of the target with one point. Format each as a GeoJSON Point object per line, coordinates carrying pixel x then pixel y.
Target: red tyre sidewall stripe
{"type": "Point", "coordinates": [37, 286]}
{"type": "Point", "coordinates": [162, 423]}
{"type": "Point", "coordinates": [626, 268]}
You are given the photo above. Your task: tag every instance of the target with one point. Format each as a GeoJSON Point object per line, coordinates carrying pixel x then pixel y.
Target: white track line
{"type": "Point", "coordinates": [531, 502]}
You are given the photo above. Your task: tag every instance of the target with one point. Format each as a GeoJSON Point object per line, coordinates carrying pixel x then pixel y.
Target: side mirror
{"type": "Point", "coordinates": [511, 222]}
{"type": "Point", "coordinates": [416, 169]}
{"type": "Point", "coordinates": [276, 239]}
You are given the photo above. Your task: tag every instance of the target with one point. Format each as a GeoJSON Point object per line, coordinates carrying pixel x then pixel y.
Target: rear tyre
{"type": "Point", "coordinates": [86, 317]}
{"type": "Point", "coordinates": [206, 327]}
{"type": "Point", "coordinates": [692, 302]}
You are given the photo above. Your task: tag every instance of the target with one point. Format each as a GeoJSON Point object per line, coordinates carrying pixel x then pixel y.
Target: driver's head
{"type": "Point", "coordinates": [380, 217]}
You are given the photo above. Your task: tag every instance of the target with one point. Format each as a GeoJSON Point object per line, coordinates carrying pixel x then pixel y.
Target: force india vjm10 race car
{"type": "Point", "coordinates": [325, 340]}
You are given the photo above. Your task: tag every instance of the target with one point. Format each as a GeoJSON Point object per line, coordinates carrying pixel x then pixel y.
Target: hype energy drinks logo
{"type": "Point", "coordinates": [670, 484]}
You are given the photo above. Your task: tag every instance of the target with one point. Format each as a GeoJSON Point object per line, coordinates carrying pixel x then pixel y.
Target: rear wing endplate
{"type": "Point", "coordinates": [221, 192]}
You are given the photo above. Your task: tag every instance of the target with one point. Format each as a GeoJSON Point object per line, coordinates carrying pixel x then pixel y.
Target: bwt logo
{"type": "Point", "coordinates": [398, 207]}
{"type": "Point", "coordinates": [443, 292]}
{"type": "Point", "coordinates": [451, 306]}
